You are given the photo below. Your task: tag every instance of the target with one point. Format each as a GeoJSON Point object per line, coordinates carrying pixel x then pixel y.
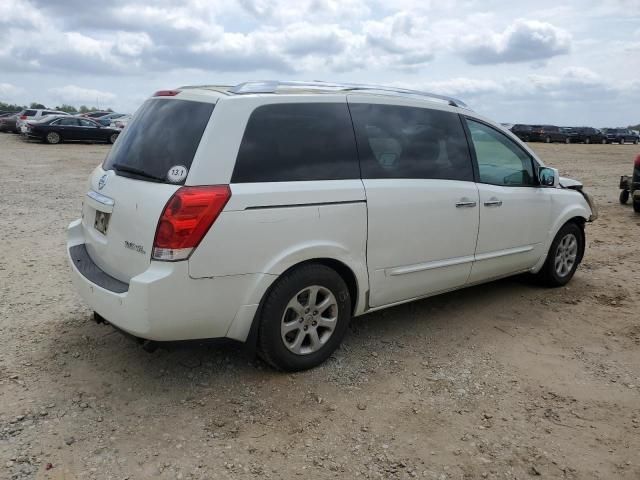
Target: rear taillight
{"type": "Point", "coordinates": [186, 219]}
{"type": "Point", "coordinates": [166, 93]}
{"type": "Point", "coordinates": [23, 117]}
{"type": "Point", "coordinates": [636, 163]}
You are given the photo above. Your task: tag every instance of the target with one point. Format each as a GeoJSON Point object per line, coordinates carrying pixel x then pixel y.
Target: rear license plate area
{"type": "Point", "coordinates": [101, 222]}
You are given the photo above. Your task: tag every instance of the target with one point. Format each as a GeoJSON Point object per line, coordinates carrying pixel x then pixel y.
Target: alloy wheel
{"type": "Point", "coordinates": [309, 320]}
{"type": "Point", "coordinates": [566, 255]}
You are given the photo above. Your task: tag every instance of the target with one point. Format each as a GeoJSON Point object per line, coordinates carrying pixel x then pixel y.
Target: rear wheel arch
{"type": "Point", "coordinates": [342, 269]}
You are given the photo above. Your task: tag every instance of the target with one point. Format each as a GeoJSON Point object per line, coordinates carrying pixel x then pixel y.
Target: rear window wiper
{"type": "Point", "coordinates": [136, 171]}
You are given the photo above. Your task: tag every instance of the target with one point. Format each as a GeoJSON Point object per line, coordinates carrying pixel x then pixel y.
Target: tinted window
{"type": "Point", "coordinates": [408, 142]}
{"type": "Point", "coordinates": [86, 123]}
{"type": "Point", "coordinates": [29, 113]}
{"type": "Point", "coordinates": [66, 122]}
{"type": "Point", "coordinates": [296, 142]}
{"type": "Point", "coordinates": [164, 133]}
{"type": "Point", "coordinates": [500, 160]}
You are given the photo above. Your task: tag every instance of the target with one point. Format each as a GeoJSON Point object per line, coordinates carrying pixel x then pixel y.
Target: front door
{"type": "Point", "coordinates": [515, 212]}
{"type": "Point", "coordinates": [421, 199]}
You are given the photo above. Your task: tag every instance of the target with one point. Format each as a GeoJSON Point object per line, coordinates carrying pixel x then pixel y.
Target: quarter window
{"type": "Point", "coordinates": [500, 160]}
{"type": "Point", "coordinates": [409, 142]}
{"type": "Point", "coordinates": [297, 142]}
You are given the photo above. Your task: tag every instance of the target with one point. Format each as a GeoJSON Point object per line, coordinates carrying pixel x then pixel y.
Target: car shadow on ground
{"type": "Point", "coordinates": [83, 351]}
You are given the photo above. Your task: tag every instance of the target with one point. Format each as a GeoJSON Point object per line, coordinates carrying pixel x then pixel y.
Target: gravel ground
{"type": "Point", "coordinates": [506, 380]}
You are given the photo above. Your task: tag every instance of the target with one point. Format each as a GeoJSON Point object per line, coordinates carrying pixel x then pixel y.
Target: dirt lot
{"type": "Point", "coordinates": [505, 380]}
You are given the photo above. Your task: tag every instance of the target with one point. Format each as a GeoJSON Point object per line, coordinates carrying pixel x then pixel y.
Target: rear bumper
{"type": "Point", "coordinates": [164, 303]}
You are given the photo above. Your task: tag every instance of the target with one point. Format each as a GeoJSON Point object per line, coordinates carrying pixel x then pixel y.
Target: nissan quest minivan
{"type": "Point", "coordinates": [273, 212]}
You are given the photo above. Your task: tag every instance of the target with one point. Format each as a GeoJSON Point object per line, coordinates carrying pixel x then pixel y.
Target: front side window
{"type": "Point", "coordinates": [409, 142]}
{"type": "Point", "coordinates": [297, 142]}
{"type": "Point", "coordinates": [87, 123]}
{"type": "Point", "coordinates": [500, 160]}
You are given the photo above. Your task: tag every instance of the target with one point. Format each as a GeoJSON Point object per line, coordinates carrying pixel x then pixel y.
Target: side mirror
{"type": "Point", "coordinates": [548, 177]}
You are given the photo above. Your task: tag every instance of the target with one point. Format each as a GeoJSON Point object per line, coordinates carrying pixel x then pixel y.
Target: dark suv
{"type": "Point", "coordinates": [621, 136]}
{"type": "Point", "coordinates": [523, 132]}
{"type": "Point", "coordinates": [548, 134]}
{"type": "Point", "coordinates": [587, 135]}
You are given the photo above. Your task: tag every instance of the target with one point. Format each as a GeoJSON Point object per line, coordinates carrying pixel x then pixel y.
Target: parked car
{"type": "Point", "coordinates": [523, 132]}
{"type": "Point", "coordinates": [121, 123]}
{"type": "Point", "coordinates": [30, 114]}
{"type": "Point", "coordinates": [621, 136]}
{"type": "Point", "coordinates": [8, 123]}
{"type": "Point", "coordinates": [56, 129]}
{"type": "Point", "coordinates": [587, 135]}
{"type": "Point", "coordinates": [548, 134]}
{"type": "Point", "coordinates": [271, 215]}
{"type": "Point", "coordinates": [107, 119]}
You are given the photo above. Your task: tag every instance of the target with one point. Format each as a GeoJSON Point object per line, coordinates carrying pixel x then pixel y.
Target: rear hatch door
{"type": "Point", "coordinates": [127, 194]}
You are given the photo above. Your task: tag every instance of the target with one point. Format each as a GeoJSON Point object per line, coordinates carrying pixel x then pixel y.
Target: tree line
{"type": "Point", "coordinates": [10, 107]}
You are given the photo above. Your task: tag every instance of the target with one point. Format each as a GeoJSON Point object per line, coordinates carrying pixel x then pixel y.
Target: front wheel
{"type": "Point", "coordinates": [547, 140]}
{"type": "Point", "coordinates": [304, 318]}
{"type": "Point", "coordinates": [587, 140]}
{"type": "Point", "coordinates": [113, 138]}
{"type": "Point", "coordinates": [53, 138]}
{"type": "Point", "coordinates": [604, 141]}
{"type": "Point", "coordinates": [622, 141]}
{"type": "Point", "coordinates": [567, 140]}
{"type": "Point", "coordinates": [564, 256]}
{"type": "Point", "coordinates": [624, 197]}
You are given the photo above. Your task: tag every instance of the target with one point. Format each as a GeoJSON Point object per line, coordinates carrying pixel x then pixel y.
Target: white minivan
{"type": "Point", "coordinates": [273, 212]}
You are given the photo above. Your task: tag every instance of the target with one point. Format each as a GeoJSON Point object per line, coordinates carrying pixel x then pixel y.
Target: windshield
{"type": "Point", "coordinates": [164, 134]}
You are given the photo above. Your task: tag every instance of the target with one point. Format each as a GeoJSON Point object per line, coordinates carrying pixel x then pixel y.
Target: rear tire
{"type": "Point", "coordinates": [53, 138]}
{"type": "Point", "coordinates": [564, 256]}
{"type": "Point", "coordinates": [547, 140]}
{"type": "Point", "coordinates": [636, 205]}
{"type": "Point", "coordinates": [303, 318]}
{"type": "Point", "coordinates": [624, 197]}
{"type": "Point", "coordinates": [587, 140]}
{"type": "Point", "coordinates": [621, 141]}
{"type": "Point", "coordinates": [113, 138]}
{"type": "Point", "coordinates": [567, 140]}
{"type": "Point", "coordinates": [604, 141]}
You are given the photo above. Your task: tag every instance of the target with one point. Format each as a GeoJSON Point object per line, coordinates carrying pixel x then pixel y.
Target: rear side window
{"type": "Point", "coordinates": [408, 142]}
{"type": "Point", "coordinates": [164, 134]}
{"type": "Point", "coordinates": [66, 122]}
{"type": "Point", "coordinates": [29, 113]}
{"type": "Point", "coordinates": [297, 142]}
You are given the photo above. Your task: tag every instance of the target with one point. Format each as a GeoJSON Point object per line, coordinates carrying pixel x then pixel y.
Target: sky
{"type": "Point", "coordinates": [575, 62]}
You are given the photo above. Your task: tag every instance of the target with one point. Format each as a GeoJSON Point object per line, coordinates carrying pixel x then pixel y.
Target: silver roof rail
{"type": "Point", "coordinates": [272, 86]}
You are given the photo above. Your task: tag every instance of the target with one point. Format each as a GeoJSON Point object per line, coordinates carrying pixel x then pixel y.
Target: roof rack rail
{"type": "Point", "coordinates": [272, 86]}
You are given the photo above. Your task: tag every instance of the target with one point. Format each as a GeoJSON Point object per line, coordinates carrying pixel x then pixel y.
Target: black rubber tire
{"type": "Point", "coordinates": [621, 141]}
{"type": "Point", "coordinates": [624, 197]}
{"type": "Point", "coordinates": [636, 141]}
{"type": "Point", "coordinates": [604, 141]}
{"type": "Point", "coordinates": [113, 137]}
{"type": "Point", "coordinates": [54, 135]}
{"type": "Point", "coordinates": [567, 140]}
{"type": "Point", "coordinates": [547, 140]}
{"type": "Point", "coordinates": [636, 205]}
{"type": "Point", "coordinates": [587, 140]}
{"type": "Point", "coordinates": [548, 276]}
{"type": "Point", "coordinates": [271, 348]}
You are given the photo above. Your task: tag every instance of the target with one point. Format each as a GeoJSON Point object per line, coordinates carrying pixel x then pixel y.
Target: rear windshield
{"type": "Point", "coordinates": [163, 138]}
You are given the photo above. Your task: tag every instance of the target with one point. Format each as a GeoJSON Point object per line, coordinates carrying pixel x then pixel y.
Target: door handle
{"type": "Point", "coordinates": [465, 203]}
{"type": "Point", "coordinates": [493, 202]}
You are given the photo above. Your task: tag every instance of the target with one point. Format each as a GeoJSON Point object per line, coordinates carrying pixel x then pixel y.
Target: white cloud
{"type": "Point", "coordinates": [7, 90]}
{"type": "Point", "coordinates": [75, 95]}
{"type": "Point", "coordinates": [524, 40]}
